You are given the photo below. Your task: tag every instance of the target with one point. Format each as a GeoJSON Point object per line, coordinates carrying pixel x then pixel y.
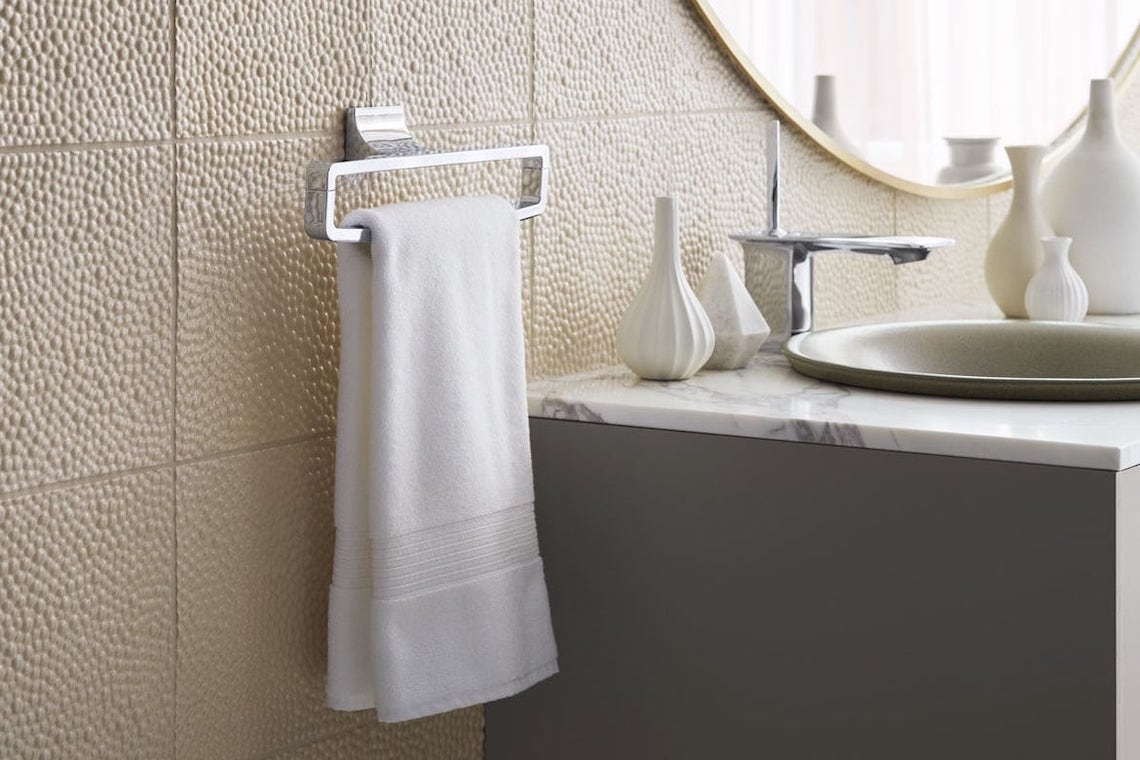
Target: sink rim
{"type": "Point", "coordinates": [1004, 387]}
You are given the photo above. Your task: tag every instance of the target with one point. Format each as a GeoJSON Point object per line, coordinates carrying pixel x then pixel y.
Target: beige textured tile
{"type": "Point", "coordinates": [255, 538]}
{"type": "Point", "coordinates": [257, 330]}
{"type": "Point", "coordinates": [280, 66]}
{"type": "Point", "coordinates": [85, 304]}
{"type": "Point", "coordinates": [598, 58]}
{"type": "Point", "coordinates": [455, 735]}
{"type": "Point", "coordinates": [256, 298]}
{"type": "Point", "coordinates": [594, 245]}
{"type": "Point", "coordinates": [87, 620]}
{"type": "Point", "coordinates": [949, 274]}
{"type": "Point", "coordinates": [79, 71]}
{"type": "Point", "coordinates": [455, 61]}
{"type": "Point", "coordinates": [822, 195]}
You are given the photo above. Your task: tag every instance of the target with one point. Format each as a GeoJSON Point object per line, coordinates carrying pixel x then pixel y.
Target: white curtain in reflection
{"type": "Point", "coordinates": [910, 72]}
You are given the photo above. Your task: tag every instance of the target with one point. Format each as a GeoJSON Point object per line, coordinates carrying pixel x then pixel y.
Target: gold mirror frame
{"type": "Point", "coordinates": [1121, 75]}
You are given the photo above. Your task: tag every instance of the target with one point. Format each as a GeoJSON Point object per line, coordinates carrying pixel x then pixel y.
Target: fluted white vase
{"type": "Point", "coordinates": [1056, 292]}
{"type": "Point", "coordinates": [825, 112]}
{"type": "Point", "coordinates": [1093, 197]}
{"type": "Point", "coordinates": [1014, 253]}
{"type": "Point", "coordinates": [665, 334]}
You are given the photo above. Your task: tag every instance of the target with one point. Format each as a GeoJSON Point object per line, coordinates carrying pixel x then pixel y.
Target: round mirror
{"type": "Point", "coordinates": [922, 94]}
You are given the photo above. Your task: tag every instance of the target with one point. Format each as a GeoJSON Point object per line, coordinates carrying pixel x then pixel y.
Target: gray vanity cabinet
{"type": "Point", "coordinates": [721, 597]}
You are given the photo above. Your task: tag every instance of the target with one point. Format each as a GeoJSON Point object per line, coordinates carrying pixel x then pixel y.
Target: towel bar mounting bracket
{"type": "Point", "coordinates": [377, 139]}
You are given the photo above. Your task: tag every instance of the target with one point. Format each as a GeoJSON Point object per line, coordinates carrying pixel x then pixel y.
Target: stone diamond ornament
{"type": "Point", "coordinates": [738, 325]}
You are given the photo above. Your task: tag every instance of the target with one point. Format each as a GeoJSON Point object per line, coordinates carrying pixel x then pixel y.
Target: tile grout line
{"type": "Point", "coordinates": [255, 448]}
{"type": "Point", "coordinates": [174, 276]}
{"type": "Point", "coordinates": [531, 122]}
{"type": "Point", "coordinates": [63, 485]}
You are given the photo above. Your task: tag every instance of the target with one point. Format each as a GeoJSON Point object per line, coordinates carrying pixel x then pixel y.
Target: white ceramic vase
{"type": "Point", "coordinates": [971, 158]}
{"type": "Point", "coordinates": [825, 112]}
{"type": "Point", "coordinates": [665, 334]}
{"type": "Point", "coordinates": [1056, 292]}
{"type": "Point", "coordinates": [1014, 253]}
{"type": "Point", "coordinates": [738, 326]}
{"type": "Point", "coordinates": [1093, 197]}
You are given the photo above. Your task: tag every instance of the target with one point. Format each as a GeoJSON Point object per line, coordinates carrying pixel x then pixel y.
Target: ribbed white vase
{"type": "Point", "coordinates": [1093, 197]}
{"type": "Point", "coordinates": [1056, 292]}
{"type": "Point", "coordinates": [665, 334]}
{"type": "Point", "coordinates": [1014, 253]}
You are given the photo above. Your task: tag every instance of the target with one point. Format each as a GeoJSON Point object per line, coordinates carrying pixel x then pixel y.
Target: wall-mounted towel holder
{"type": "Point", "coordinates": [377, 140]}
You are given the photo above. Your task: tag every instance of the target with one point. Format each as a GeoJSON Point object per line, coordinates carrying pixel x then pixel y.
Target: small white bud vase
{"type": "Point", "coordinates": [1014, 253]}
{"type": "Point", "coordinates": [737, 323]}
{"type": "Point", "coordinates": [665, 334]}
{"type": "Point", "coordinates": [1056, 292]}
{"type": "Point", "coordinates": [1093, 197]}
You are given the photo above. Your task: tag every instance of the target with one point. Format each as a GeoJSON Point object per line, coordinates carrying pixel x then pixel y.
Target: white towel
{"type": "Point", "coordinates": [438, 599]}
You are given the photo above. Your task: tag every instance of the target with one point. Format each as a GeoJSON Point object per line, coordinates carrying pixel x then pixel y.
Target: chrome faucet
{"type": "Point", "coordinates": [778, 264]}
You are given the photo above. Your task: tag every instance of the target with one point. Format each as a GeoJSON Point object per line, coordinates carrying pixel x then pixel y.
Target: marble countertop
{"type": "Point", "coordinates": [769, 400]}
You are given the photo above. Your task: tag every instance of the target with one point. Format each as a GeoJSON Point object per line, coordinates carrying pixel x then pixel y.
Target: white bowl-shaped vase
{"type": "Point", "coordinates": [1056, 292]}
{"type": "Point", "coordinates": [971, 158]}
{"type": "Point", "coordinates": [1093, 197]}
{"type": "Point", "coordinates": [1014, 253]}
{"type": "Point", "coordinates": [665, 334]}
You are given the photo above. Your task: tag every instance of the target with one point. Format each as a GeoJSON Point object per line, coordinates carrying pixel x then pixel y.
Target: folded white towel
{"type": "Point", "coordinates": [438, 599]}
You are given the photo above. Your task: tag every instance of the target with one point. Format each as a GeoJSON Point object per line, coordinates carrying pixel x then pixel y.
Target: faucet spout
{"type": "Point", "coordinates": [787, 258]}
{"type": "Point", "coordinates": [778, 265]}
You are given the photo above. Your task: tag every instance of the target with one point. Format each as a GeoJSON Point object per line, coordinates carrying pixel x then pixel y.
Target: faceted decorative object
{"type": "Point", "coordinates": [1056, 292]}
{"type": "Point", "coordinates": [1093, 197]}
{"type": "Point", "coordinates": [825, 112]}
{"type": "Point", "coordinates": [665, 334]}
{"type": "Point", "coordinates": [1014, 254]}
{"type": "Point", "coordinates": [737, 324]}
{"type": "Point", "coordinates": [971, 158]}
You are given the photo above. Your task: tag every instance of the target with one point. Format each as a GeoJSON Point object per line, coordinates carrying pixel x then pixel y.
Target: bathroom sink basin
{"type": "Point", "coordinates": [1003, 359]}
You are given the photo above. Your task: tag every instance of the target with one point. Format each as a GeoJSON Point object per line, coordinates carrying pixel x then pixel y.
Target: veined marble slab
{"type": "Point", "coordinates": [770, 400]}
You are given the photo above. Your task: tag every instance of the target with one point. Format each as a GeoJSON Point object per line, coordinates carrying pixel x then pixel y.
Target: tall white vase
{"type": "Point", "coordinates": [665, 334]}
{"type": "Point", "coordinates": [1014, 253]}
{"type": "Point", "coordinates": [825, 112]}
{"type": "Point", "coordinates": [1093, 196]}
{"type": "Point", "coordinates": [1056, 291]}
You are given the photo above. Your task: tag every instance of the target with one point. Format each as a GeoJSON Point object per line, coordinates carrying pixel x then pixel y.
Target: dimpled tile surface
{"type": "Point", "coordinates": [255, 540]}
{"type": "Point", "coordinates": [822, 195]}
{"type": "Point", "coordinates": [78, 71]}
{"type": "Point", "coordinates": [85, 314]}
{"type": "Point", "coordinates": [455, 735]}
{"type": "Point", "coordinates": [454, 61]}
{"type": "Point", "coordinates": [257, 338]}
{"type": "Point", "coordinates": [948, 274]}
{"type": "Point", "coordinates": [600, 58]}
{"type": "Point", "coordinates": [256, 298]}
{"type": "Point", "coordinates": [594, 245]}
{"type": "Point", "coordinates": [87, 620]}
{"type": "Point", "coordinates": [271, 66]}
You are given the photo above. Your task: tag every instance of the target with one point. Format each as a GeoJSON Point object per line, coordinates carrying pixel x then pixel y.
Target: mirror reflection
{"type": "Point", "coordinates": [928, 90]}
